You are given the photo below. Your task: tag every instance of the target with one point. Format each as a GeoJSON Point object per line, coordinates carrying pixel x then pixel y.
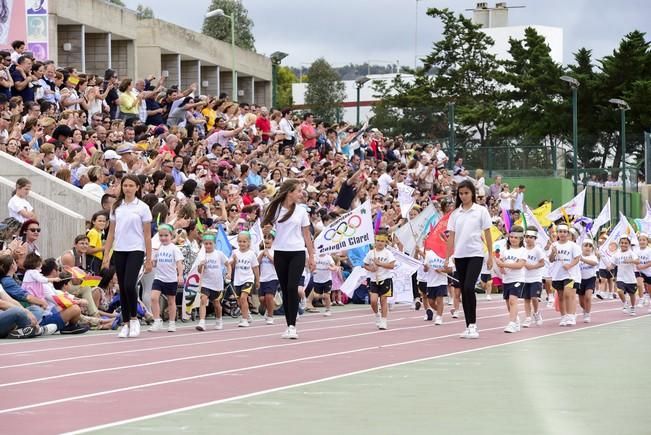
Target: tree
{"type": "Point", "coordinates": [117, 3]}
{"type": "Point", "coordinates": [325, 91]}
{"type": "Point", "coordinates": [285, 77]}
{"type": "Point", "coordinates": [220, 27]}
{"type": "Point", "coordinates": [144, 12]}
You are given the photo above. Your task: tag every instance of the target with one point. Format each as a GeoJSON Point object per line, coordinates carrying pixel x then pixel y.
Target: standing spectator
{"type": "Point", "coordinates": [19, 208]}
{"type": "Point", "coordinates": [496, 187]}
{"type": "Point", "coordinates": [130, 239]}
{"type": "Point", "coordinates": [6, 82]}
{"type": "Point", "coordinates": [23, 78]}
{"type": "Point", "coordinates": [518, 202]}
{"type": "Point", "coordinates": [263, 124]}
{"type": "Point", "coordinates": [308, 132]}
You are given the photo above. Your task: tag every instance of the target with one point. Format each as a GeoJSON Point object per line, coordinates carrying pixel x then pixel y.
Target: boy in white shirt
{"type": "Point", "coordinates": [322, 279]}
{"type": "Point", "coordinates": [626, 261]}
{"type": "Point", "coordinates": [380, 262]}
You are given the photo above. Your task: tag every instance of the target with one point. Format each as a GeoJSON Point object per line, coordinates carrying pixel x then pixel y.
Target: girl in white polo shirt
{"type": "Point", "coordinates": [511, 262]}
{"type": "Point", "coordinates": [564, 258]}
{"type": "Point", "coordinates": [626, 261]}
{"type": "Point", "coordinates": [466, 225]}
{"type": "Point", "coordinates": [130, 239]}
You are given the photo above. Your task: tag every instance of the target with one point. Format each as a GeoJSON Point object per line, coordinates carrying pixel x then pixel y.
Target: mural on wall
{"type": "Point", "coordinates": [37, 28]}
{"type": "Point", "coordinates": [13, 24]}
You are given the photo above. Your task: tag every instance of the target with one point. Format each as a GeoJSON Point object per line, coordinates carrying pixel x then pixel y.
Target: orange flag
{"type": "Point", "coordinates": [436, 239]}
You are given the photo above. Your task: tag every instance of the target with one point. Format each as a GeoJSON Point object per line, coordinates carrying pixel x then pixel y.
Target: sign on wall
{"type": "Point", "coordinates": [37, 28]}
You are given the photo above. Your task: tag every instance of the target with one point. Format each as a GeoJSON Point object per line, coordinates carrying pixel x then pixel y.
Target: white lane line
{"type": "Point", "coordinates": [340, 376]}
{"type": "Point", "coordinates": [221, 340]}
{"type": "Point", "coordinates": [237, 370]}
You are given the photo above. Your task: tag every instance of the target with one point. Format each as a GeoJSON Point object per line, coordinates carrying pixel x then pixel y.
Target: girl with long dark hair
{"type": "Point", "coordinates": [292, 224]}
{"type": "Point", "coordinates": [466, 224]}
{"type": "Point", "coordinates": [131, 231]}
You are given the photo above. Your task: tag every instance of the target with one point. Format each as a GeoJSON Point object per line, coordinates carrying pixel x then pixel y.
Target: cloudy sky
{"type": "Point", "coordinates": [383, 31]}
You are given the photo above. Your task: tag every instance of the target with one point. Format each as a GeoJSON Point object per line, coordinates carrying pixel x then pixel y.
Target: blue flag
{"type": "Point", "coordinates": [222, 243]}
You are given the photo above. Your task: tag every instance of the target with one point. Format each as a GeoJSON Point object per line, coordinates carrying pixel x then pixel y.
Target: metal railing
{"type": "Point", "coordinates": [596, 197]}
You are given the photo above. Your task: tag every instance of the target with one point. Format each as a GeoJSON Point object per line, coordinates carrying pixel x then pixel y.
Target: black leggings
{"type": "Point", "coordinates": [127, 268]}
{"type": "Point", "coordinates": [468, 269]}
{"type": "Point", "coordinates": [289, 268]}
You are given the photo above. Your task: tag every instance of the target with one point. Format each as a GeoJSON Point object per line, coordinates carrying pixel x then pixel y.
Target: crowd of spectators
{"type": "Point", "coordinates": [202, 161]}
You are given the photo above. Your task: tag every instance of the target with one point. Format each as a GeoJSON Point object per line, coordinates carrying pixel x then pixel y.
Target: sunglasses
{"type": "Point", "coordinates": [233, 210]}
{"type": "Point", "coordinates": [34, 230]}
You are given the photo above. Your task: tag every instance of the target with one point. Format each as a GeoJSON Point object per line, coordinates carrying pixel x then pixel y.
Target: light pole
{"type": "Point", "coordinates": [359, 83]}
{"type": "Point", "coordinates": [574, 84]}
{"type": "Point", "coordinates": [623, 107]}
{"type": "Point", "coordinates": [220, 13]}
{"type": "Point", "coordinates": [276, 58]}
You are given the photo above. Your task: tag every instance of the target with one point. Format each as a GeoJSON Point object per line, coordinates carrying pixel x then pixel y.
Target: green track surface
{"type": "Point", "coordinates": [595, 381]}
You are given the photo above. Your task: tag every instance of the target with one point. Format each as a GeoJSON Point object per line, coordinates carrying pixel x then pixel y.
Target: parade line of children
{"type": "Point", "coordinates": [570, 275]}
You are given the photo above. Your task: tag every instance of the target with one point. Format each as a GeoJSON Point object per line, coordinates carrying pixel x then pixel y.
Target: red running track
{"type": "Point", "coordinates": [77, 382]}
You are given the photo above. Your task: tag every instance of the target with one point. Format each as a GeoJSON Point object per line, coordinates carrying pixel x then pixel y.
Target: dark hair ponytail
{"type": "Point", "coordinates": [272, 210]}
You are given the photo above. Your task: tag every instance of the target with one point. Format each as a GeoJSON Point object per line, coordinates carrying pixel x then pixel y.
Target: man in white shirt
{"type": "Point", "coordinates": [386, 180]}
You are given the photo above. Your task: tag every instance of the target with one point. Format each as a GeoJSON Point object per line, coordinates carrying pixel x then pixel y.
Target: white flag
{"type": "Point", "coordinates": [405, 199]}
{"type": "Point", "coordinates": [350, 230]}
{"type": "Point", "coordinates": [574, 207]}
{"type": "Point", "coordinates": [192, 284]}
{"type": "Point", "coordinates": [411, 233]}
{"type": "Point", "coordinates": [648, 210]}
{"type": "Point", "coordinates": [256, 236]}
{"type": "Point", "coordinates": [612, 242]}
{"type": "Point", "coordinates": [357, 275]}
{"type": "Point", "coordinates": [602, 219]}
{"type": "Point", "coordinates": [542, 238]}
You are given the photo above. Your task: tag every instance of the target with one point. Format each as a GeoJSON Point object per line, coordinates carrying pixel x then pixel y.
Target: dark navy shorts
{"type": "Point", "coordinates": [382, 288]}
{"type": "Point", "coordinates": [532, 290]}
{"type": "Point", "coordinates": [322, 287]}
{"type": "Point", "coordinates": [247, 288]}
{"type": "Point", "coordinates": [268, 288]}
{"type": "Point", "coordinates": [587, 284]}
{"type": "Point", "coordinates": [166, 288]}
{"type": "Point", "coordinates": [422, 287]}
{"type": "Point", "coordinates": [213, 295]}
{"type": "Point", "coordinates": [562, 284]}
{"type": "Point", "coordinates": [485, 277]}
{"type": "Point", "coordinates": [437, 292]}
{"type": "Point", "coordinates": [512, 289]}
{"type": "Point", "coordinates": [627, 288]}
{"type": "Point", "coordinates": [55, 318]}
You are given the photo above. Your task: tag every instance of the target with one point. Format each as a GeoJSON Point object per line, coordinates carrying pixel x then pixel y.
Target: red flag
{"type": "Point", "coordinates": [436, 239]}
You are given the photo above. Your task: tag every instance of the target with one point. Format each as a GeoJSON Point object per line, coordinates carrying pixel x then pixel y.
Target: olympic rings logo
{"type": "Point", "coordinates": [343, 230]}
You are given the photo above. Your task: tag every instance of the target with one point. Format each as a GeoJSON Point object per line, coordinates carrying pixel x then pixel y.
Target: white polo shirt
{"type": "Point", "coordinates": [468, 226]}
{"type": "Point", "coordinates": [129, 219]}
{"type": "Point", "coordinates": [289, 234]}
{"type": "Point", "coordinates": [16, 205]}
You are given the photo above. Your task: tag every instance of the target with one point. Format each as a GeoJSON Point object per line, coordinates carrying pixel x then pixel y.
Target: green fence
{"type": "Point", "coordinates": [516, 161]}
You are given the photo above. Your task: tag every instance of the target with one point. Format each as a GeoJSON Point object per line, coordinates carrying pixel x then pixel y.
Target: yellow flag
{"type": "Point", "coordinates": [541, 214]}
{"type": "Point", "coordinates": [496, 234]}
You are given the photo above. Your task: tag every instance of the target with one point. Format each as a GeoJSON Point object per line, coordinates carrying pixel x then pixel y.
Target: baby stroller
{"type": "Point", "coordinates": [229, 301]}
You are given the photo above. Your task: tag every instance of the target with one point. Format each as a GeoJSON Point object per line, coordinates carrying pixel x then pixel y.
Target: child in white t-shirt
{"type": "Point", "coordinates": [564, 258]}
{"type": "Point", "coordinates": [626, 261]}
{"type": "Point", "coordinates": [533, 278]}
{"type": "Point", "coordinates": [168, 275]}
{"type": "Point", "coordinates": [511, 262]}
{"type": "Point", "coordinates": [268, 278]}
{"type": "Point", "coordinates": [436, 272]}
{"type": "Point", "coordinates": [246, 275]}
{"type": "Point", "coordinates": [322, 279]}
{"type": "Point", "coordinates": [589, 266]}
{"type": "Point", "coordinates": [380, 262]}
{"type": "Point", "coordinates": [212, 264]}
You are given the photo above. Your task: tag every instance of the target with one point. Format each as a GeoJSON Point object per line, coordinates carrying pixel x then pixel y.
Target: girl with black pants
{"type": "Point", "coordinates": [130, 238]}
{"type": "Point", "coordinates": [292, 224]}
{"type": "Point", "coordinates": [466, 225]}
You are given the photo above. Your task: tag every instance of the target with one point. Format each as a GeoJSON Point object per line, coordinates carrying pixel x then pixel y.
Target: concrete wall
{"type": "Point", "coordinates": [101, 15]}
{"type": "Point", "coordinates": [150, 61]}
{"type": "Point", "coordinates": [262, 93]}
{"type": "Point", "coordinates": [49, 186]}
{"type": "Point", "coordinates": [226, 83]}
{"type": "Point", "coordinates": [73, 35]}
{"type": "Point", "coordinates": [244, 90]}
{"type": "Point", "coordinates": [59, 226]}
{"type": "Point", "coordinates": [170, 63]}
{"type": "Point", "coordinates": [209, 74]}
{"type": "Point", "coordinates": [97, 53]}
{"type": "Point", "coordinates": [190, 73]}
{"type": "Point", "coordinates": [120, 58]}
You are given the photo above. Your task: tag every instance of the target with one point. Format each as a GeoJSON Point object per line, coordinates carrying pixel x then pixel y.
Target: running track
{"type": "Point", "coordinates": [64, 384]}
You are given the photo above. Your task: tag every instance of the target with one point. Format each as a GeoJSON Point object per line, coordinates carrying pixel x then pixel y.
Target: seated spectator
{"type": "Point", "coordinates": [19, 208]}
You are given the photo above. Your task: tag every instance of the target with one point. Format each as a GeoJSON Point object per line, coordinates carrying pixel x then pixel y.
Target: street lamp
{"type": "Point", "coordinates": [220, 13]}
{"type": "Point", "coordinates": [574, 84]}
{"type": "Point", "coordinates": [359, 83]}
{"type": "Point", "coordinates": [623, 107]}
{"type": "Point", "coordinates": [276, 58]}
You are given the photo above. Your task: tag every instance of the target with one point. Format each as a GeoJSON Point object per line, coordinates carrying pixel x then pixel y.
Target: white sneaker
{"type": "Point", "coordinates": [201, 326]}
{"type": "Point", "coordinates": [571, 320]}
{"type": "Point", "coordinates": [639, 304]}
{"type": "Point", "coordinates": [157, 326]}
{"type": "Point", "coordinates": [455, 314]}
{"type": "Point", "coordinates": [134, 328]}
{"type": "Point", "coordinates": [291, 333]}
{"type": "Point", "coordinates": [450, 301]}
{"type": "Point", "coordinates": [517, 323]}
{"type": "Point", "coordinates": [563, 321]}
{"type": "Point", "coordinates": [243, 323]}
{"type": "Point", "coordinates": [538, 318]}
{"type": "Point", "coordinates": [586, 318]}
{"type": "Point", "coordinates": [489, 298]}
{"type": "Point", "coordinates": [511, 328]}
{"type": "Point", "coordinates": [473, 332]}
{"type": "Point", "coordinates": [527, 322]}
{"type": "Point", "coordinates": [631, 311]}
{"type": "Point", "coordinates": [378, 319]}
{"type": "Point", "coordinates": [268, 320]}
{"type": "Point", "coordinates": [124, 331]}
{"type": "Point", "coordinates": [219, 324]}
{"type": "Point", "coordinates": [383, 324]}
{"type": "Point", "coordinates": [285, 334]}
{"type": "Point", "coordinates": [327, 313]}
{"type": "Point", "coordinates": [49, 329]}
{"type": "Point", "coordinates": [438, 320]}
{"type": "Point", "coordinates": [171, 326]}
{"type": "Point", "coordinates": [625, 307]}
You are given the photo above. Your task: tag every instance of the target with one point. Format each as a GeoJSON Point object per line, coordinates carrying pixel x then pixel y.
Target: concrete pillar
{"type": "Point", "coordinates": [244, 89]}
{"type": "Point", "coordinates": [83, 48]}
{"type": "Point", "coordinates": [219, 82]}
{"type": "Point", "coordinates": [109, 64]}
{"type": "Point", "coordinates": [252, 90]}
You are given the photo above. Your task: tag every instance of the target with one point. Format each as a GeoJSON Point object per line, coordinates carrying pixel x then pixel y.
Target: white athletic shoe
{"type": "Point", "coordinates": [586, 318]}
{"type": "Point", "coordinates": [285, 334]}
{"type": "Point", "coordinates": [201, 326]}
{"type": "Point", "coordinates": [243, 323]}
{"type": "Point", "coordinates": [291, 333]}
{"type": "Point", "coordinates": [50, 329]}
{"type": "Point", "coordinates": [171, 326]}
{"type": "Point", "coordinates": [378, 319]}
{"type": "Point", "coordinates": [517, 323]}
{"type": "Point", "coordinates": [631, 311]}
{"type": "Point", "coordinates": [538, 318]}
{"type": "Point", "coordinates": [571, 320]}
{"type": "Point", "coordinates": [527, 322]}
{"type": "Point", "coordinates": [134, 328]}
{"type": "Point", "coordinates": [511, 328]}
{"type": "Point", "coordinates": [563, 321]}
{"type": "Point", "coordinates": [455, 314]}
{"type": "Point", "coordinates": [219, 324]}
{"type": "Point", "coordinates": [268, 320]}
{"type": "Point", "coordinates": [124, 331]}
{"type": "Point", "coordinates": [302, 304]}
{"type": "Point", "coordinates": [438, 320]}
{"type": "Point", "coordinates": [383, 324]}
{"type": "Point", "coordinates": [156, 326]}
{"type": "Point", "coordinates": [327, 313]}
{"type": "Point", "coordinates": [489, 298]}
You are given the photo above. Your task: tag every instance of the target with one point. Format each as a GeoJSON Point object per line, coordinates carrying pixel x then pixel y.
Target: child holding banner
{"type": "Point", "coordinates": [380, 262]}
